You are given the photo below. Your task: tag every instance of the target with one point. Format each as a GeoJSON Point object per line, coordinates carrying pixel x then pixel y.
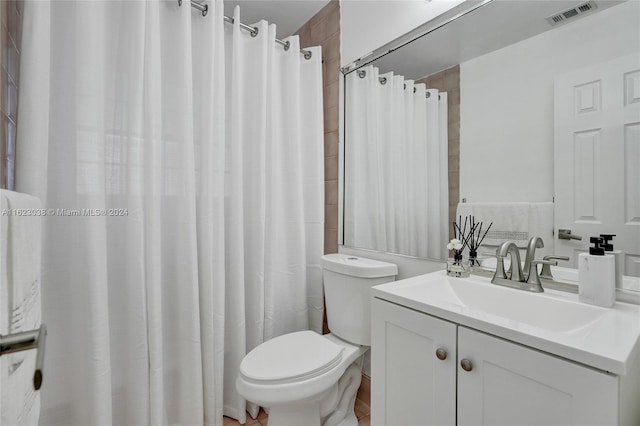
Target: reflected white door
{"type": "Point", "coordinates": [597, 157]}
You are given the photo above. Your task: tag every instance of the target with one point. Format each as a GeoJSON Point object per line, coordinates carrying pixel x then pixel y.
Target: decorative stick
{"type": "Point", "coordinates": [478, 239]}
{"type": "Point", "coordinates": [467, 238]}
{"type": "Point", "coordinates": [485, 234]}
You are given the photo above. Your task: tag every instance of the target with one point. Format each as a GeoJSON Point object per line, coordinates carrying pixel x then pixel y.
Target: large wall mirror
{"type": "Point", "coordinates": [508, 102]}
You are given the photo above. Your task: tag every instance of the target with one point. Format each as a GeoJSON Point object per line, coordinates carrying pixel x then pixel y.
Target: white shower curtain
{"type": "Point", "coordinates": [275, 209]}
{"type": "Point", "coordinates": [185, 204]}
{"type": "Point", "coordinates": [396, 184]}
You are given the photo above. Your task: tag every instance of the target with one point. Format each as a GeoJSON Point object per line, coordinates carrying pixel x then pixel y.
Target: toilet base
{"type": "Point", "coordinates": [335, 407]}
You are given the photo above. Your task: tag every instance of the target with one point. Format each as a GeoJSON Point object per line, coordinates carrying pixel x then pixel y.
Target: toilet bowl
{"type": "Point", "coordinates": [305, 378]}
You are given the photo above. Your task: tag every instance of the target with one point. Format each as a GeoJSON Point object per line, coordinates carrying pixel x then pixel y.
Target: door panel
{"type": "Point", "coordinates": [412, 387]}
{"type": "Point", "coordinates": [597, 157]}
{"type": "Point", "coordinates": [513, 385]}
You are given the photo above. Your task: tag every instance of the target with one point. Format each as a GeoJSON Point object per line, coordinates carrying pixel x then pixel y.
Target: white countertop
{"type": "Point", "coordinates": [553, 321]}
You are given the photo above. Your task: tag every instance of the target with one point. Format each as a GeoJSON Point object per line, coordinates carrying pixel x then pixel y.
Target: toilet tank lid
{"type": "Point", "coordinates": [358, 266]}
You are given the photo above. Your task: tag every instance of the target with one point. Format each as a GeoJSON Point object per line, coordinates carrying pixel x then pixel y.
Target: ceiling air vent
{"type": "Point", "coordinates": [558, 18]}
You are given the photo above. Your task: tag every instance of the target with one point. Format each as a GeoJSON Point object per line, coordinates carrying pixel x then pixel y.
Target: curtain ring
{"type": "Point", "coordinates": [362, 73]}
{"type": "Point", "coordinates": [307, 54]}
{"type": "Point", "coordinates": [205, 10]}
{"type": "Point", "coordinates": [254, 32]}
{"type": "Point", "coordinates": [415, 90]}
{"type": "Point", "coordinates": [179, 3]}
{"type": "Point", "coordinates": [287, 44]}
{"type": "Point", "coordinates": [382, 80]}
{"type": "Point", "coordinates": [428, 95]}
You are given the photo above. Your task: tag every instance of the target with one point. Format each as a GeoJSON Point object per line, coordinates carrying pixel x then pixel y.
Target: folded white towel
{"type": "Point", "coordinates": [20, 306]}
{"type": "Point", "coordinates": [510, 221]}
{"type": "Point", "coordinates": [541, 224]}
{"type": "Point", "coordinates": [513, 221]}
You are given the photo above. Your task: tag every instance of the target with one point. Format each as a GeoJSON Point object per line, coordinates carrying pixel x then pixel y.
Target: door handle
{"type": "Point", "coordinates": [565, 234]}
{"type": "Point", "coordinates": [33, 339]}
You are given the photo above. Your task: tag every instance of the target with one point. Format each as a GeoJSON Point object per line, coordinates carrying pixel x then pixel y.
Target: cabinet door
{"type": "Point", "coordinates": [411, 385]}
{"type": "Point", "coordinates": [510, 384]}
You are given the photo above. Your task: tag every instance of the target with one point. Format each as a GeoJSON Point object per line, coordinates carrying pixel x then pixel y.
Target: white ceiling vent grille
{"type": "Point", "coordinates": [578, 10]}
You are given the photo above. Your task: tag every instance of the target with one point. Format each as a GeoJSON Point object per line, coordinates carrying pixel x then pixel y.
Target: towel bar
{"type": "Point", "coordinates": [34, 339]}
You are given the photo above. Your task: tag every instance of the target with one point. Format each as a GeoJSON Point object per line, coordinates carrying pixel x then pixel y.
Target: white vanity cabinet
{"type": "Point", "coordinates": [419, 379]}
{"type": "Point", "coordinates": [410, 384]}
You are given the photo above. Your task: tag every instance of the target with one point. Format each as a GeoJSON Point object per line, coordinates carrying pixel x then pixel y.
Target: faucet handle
{"type": "Point", "coordinates": [500, 272]}
{"type": "Point", "coordinates": [546, 267]}
{"type": "Point", "coordinates": [533, 278]}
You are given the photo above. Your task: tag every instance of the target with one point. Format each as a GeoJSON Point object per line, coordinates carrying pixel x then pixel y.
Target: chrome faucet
{"type": "Point", "coordinates": [534, 242]}
{"type": "Point", "coordinates": [516, 277]}
{"type": "Point", "coordinates": [508, 247]}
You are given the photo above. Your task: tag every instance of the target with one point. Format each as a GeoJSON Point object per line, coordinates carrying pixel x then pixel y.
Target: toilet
{"type": "Point", "coordinates": [305, 378]}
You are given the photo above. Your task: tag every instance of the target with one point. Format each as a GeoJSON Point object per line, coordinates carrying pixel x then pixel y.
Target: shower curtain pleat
{"type": "Point", "coordinates": [396, 198]}
{"type": "Point", "coordinates": [210, 151]}
{"type": "Point", "coordinates": [192, 135]}
{"type": "Point", "coordinates": [277, 189]}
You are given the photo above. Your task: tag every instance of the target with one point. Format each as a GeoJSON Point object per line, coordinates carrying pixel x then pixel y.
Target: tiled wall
{"type": "Point", "coordinates": [324, 30]}
{"type": "Point", "coordinates": [10, 37]}
{"type": "Point", "coordinates": [449, 81]}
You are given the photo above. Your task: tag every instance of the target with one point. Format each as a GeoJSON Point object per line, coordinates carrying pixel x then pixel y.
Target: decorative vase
{"type": "Point", "coordinates": [458, 267]}
{"type": "Point", "coordinates": [474, 263]}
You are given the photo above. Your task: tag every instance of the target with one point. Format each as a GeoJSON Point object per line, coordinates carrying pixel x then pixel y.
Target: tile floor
{"type": "Point", "coordinates": [361, 409]}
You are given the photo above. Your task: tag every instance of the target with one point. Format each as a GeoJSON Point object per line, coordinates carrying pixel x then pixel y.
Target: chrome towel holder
{"type": "Point", "coordinates": [23, 341]}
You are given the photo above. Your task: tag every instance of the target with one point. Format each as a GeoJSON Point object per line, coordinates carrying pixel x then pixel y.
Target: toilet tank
{"type": "Point", "coordinates": [347, 280]}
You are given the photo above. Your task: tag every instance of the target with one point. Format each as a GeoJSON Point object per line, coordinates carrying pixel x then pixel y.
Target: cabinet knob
{"type": "Point", "coordinates": [441, 353]}
{"type": "Point", "coordinates": [466, 365]}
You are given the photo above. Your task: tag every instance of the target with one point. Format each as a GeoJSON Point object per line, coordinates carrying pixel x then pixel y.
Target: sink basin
{"type": "Point", "coordinates": [537, 310]}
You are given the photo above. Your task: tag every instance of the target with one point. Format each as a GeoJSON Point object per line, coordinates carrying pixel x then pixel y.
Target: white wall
{"type": "Point", "coordinates": [506, 103]}
{"type": "Point", "coordinates": [367, 25]}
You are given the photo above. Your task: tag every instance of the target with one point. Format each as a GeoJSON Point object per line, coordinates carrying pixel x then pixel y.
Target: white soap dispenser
{"type": "Point", "coordinates": [617, 254]}
{"type": "Point", "coordinates": [596, 276]}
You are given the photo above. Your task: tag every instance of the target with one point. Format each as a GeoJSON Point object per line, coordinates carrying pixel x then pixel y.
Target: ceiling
{"type": "Point", "coordinates": [288, 15]}
{"type": "Point", "coordinates": [491, 27]}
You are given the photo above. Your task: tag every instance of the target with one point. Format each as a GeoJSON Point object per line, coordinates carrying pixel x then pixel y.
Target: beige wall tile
{"type": "Point", "coordinates": [330, 168]}
{"type": "Point", "coordinates": [331, 47]}
{"type": "Point", "coordinates": [318, 33]}
{"type": "Point", "coordinates": [330, 241]}
{"type": "Point", "coordinates": [330, 217]}
{"type": "Point", "coordinates": [331, 197]}
{"type": "Point", "coordinates": [331, 96]}
{"type": "Point", "coordinates": [331, 71]}
{"type": "Point", "coordinates": [304, 33]}
{"type": "Point", "coordinates": [331, 118]}
{"type": "Point", "coordinates": [332, 23]}
{"type": "Point", "coordinates": [331, 144]}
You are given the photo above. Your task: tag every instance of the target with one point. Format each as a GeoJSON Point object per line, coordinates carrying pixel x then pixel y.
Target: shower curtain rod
{"type": "Point", "coordinates": [204, 8]}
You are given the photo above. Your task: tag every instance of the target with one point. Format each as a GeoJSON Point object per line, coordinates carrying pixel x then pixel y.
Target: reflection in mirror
{"type": "Point", "coordinates": [397, 187]}
{"type": "Point", "coordinates": [537, 113]}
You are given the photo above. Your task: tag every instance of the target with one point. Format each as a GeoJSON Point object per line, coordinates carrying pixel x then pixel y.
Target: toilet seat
{"type": "Point", "coordinates": [291, 358]}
